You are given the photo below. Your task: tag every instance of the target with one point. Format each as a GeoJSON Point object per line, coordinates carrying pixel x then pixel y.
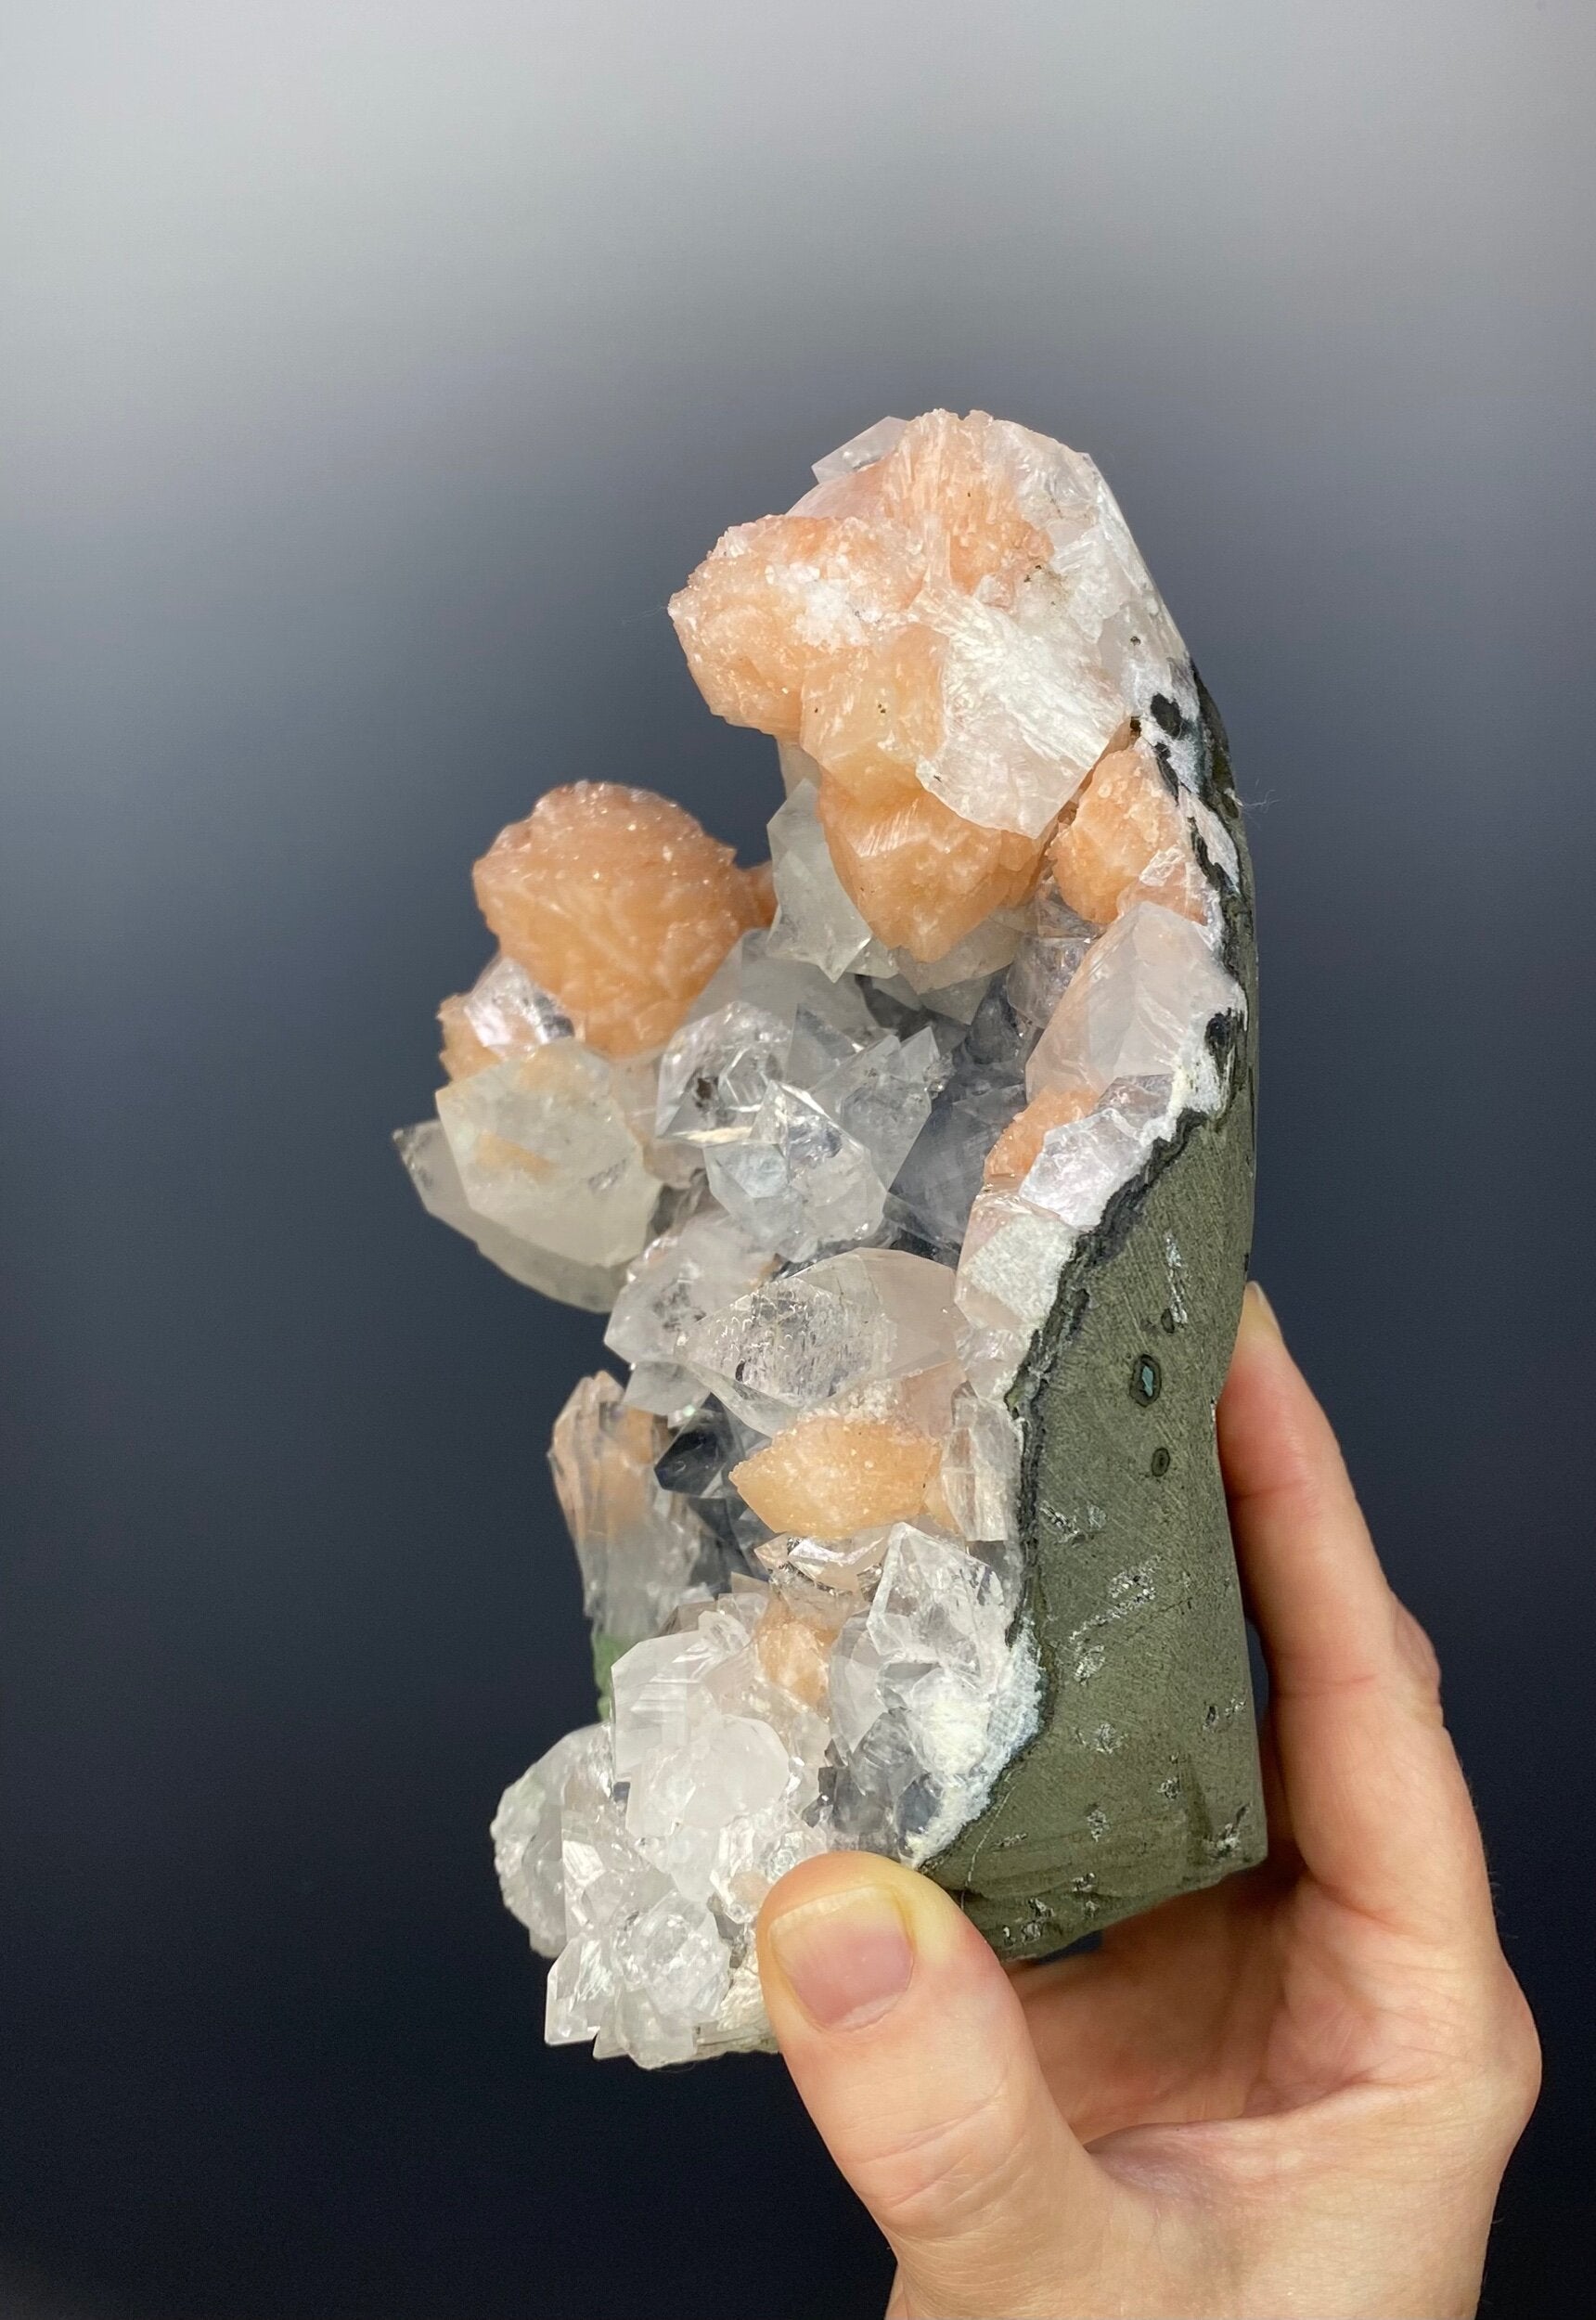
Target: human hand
{"type": "Point", "coordinates": [1293, 2094]}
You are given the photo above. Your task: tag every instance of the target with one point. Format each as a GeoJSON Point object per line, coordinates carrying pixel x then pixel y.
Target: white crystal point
{"type": "Point", "coordinates": [1008, 1278]}
{"type": "Point", "coordinates": [783, 986]}
{"type": "Point", "coordinates": [425, 1151]}
{"type": "Point", "coordinates": [718, 1769]}
{"type": "Point", "coordinates": [882, 1096]}
{"type": "Point", "coordinates": [848, 1566]}
{"type": "Point", "coordinates": [543, 1149]}
{"type": "Point", "coordinates": [861, 450]}
{"type": "Point", "coordinates": [718, 1071]}
{"type": "Point", "coordinates": [701, 1266]}
{"type": "Point", "coordinates": [636, 1080]}
{"type": "Point", "coordinates": [653, 1686]}
{"type": "Point", "coordinates": [1046, 959]}
{"type": "Point", "coordinates": [928, 1696]}
{"type": "Point", "coordinates": [980, 1471]}
{"type": "Point", "coordinates": [606, 1882]}
{"type": "Point", "coordinates": [1137, 1008]}
{"type": "Point", "coordinates": [800, 1341]}
{"type": "Point", "coordinates": [581, 1989]}
{"type": "Point", "coordinates": [673, 1956]}
{"type": "Point", "coordinates": [815, 920]}
{"type": "Point", "coordinates": [735, 1768]}
{"type": "Point", "coordinates": [797, 1180]}
{"type": "Point", "coordinates": [803, 1124]}
{"type": "Point", "coordinates": [1082, 1163]}
{"type": "Point", "coordinates": [638, 1546]}
{"type": "Point", "coordinates": [526, 1836]}
{"type": "Point", "coordinates": [1028, 708]}
{"type": "Point", "coordinates": [510, 1014]}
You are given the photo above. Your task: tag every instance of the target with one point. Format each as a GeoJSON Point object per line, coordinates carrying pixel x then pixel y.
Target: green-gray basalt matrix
{"type": "Point", "coordinates": [1143, 1780]}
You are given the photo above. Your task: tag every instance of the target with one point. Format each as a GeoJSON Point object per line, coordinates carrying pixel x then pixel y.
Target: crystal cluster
{"type": "Point", "coordinates": [824, 1169]}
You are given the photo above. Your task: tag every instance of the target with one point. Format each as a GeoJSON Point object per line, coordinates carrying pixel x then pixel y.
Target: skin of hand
{"type": "Point", "coordinates": [1293, 2094]}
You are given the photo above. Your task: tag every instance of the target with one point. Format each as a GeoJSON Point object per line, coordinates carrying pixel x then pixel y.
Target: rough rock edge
{"type": "Point", "coordinates": [1143, 1780]}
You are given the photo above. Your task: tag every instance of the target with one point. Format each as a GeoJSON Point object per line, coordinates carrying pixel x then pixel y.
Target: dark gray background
{"type": "Point", "coordinates": [373, 373]}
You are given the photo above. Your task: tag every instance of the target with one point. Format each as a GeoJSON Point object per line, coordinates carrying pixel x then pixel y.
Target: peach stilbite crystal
{"type": "Point", "coordinates": [1011, 1156]}
{"type": "Point", "coordinates": [619, 904]}
{"type": "Point", "coordinates": [952, 487]}
{"type": "Point", "coordinates": [603, 1455]}
{"type": "Point", "coordinates": [921, 875]}
{"type": "Point", "coordinates": [793, 1640]}
{"type": "Point", "coordinates": [874, 711]}
{"type": "Point", "coordinates": [462, 1052]}
{"type": "Point", "coordinates": [775, 600]}
{"type": "Point", "coordinates": [947, 621]}
{"type": "Point", "coordinates": [1124, 842]}
{"type": "Point", "coordinates": [829, 1477]}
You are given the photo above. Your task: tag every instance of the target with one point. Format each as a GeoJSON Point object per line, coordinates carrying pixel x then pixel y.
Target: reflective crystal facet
{"type": "Point", "coordinates": [526, 1834]}
{"type": "Point", "coordinates": [702, 1265]}
{"type": "Point", "coordinates": [816, 917]}
{"type": "Point", "coordinates": [543, 1149]}
{"type": "Point", "coordinates": [1138, 1007]}
{"type": "Point", "coordinates": [806, 1338]}
{"type": "Point", "coordinates": [430, 1165]}
{"type": "Point", "coordinates": [638, 1546]}
{"type": "Point", "coordinates": [928, 1699]}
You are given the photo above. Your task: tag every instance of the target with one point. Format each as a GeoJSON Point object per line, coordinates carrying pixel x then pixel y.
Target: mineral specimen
{"type": "Point", "coordinates": [619, 904]}
{"type": "Point", "coordinates": [920, 1215]}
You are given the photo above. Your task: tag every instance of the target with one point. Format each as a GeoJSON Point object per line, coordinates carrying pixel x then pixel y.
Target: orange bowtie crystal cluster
{"type": "Point", "coordinates": [819, 1137]}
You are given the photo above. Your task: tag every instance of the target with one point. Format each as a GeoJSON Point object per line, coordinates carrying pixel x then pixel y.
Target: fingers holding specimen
{"type": "Point", "coordinates": [910, 2050]}
{"type": "Point", "coordinates": [1377, 1803]}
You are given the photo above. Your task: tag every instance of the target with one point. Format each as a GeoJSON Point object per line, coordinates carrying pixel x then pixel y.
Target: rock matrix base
{"type": "Point", "coordinates": [913, 1169]}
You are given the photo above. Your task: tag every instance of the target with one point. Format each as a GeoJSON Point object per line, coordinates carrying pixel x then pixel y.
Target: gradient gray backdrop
{"type": "Point", "coordinates": [373, 372]}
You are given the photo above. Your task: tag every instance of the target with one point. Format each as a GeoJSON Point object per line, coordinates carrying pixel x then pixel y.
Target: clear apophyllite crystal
{"type": "Point", "coordinates": [816, 917]}
{"type": "Point", "coordinates": [702, 1266]}
{"type": "Point", "coordinates": [641, 1547]}
{"type": "Point", "coordinates": [827, 1175]}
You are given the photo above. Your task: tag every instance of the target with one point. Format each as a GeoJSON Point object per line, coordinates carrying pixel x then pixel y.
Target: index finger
{"type": "Point", "coordinates": [1378, 1804]}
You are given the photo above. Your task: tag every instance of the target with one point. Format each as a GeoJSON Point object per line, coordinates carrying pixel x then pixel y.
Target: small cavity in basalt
{"type": "Point", "coordinates": [837, 1142]}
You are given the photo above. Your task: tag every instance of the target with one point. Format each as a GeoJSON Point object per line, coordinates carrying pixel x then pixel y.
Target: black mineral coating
{"type": "Point", "coordinates": [697, 1458]}
{"type": "Point", "coordinates": [1142, 1781]}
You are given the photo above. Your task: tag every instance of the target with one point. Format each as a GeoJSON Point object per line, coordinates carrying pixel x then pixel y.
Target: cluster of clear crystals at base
{"type": "Point", "coordinates": [825, 1173]}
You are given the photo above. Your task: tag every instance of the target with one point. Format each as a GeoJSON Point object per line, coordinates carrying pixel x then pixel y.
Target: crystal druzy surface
{"type": "Point", "coordinates": [914, 1171]}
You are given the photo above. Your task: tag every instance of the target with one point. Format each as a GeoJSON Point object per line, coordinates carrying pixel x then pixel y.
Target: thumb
{"type": "Point", "coordinates": [909, 2048]}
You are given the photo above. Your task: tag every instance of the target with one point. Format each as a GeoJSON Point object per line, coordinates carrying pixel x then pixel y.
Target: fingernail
{"type": "Point", "coordinates": [1262, 1307]}
{"type": "Point", "coordinates": [847, 1959]}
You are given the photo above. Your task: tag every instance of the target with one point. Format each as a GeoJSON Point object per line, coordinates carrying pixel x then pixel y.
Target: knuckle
{"type": "Point", "coordinates": [931, 2182]}
{"type": "Point", "coordinates": [1419, 1660]}
{"type": "Point", "coordinates": [1496, 2078]}
{"type": "Point", "coordinates": [1516, 2059]}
